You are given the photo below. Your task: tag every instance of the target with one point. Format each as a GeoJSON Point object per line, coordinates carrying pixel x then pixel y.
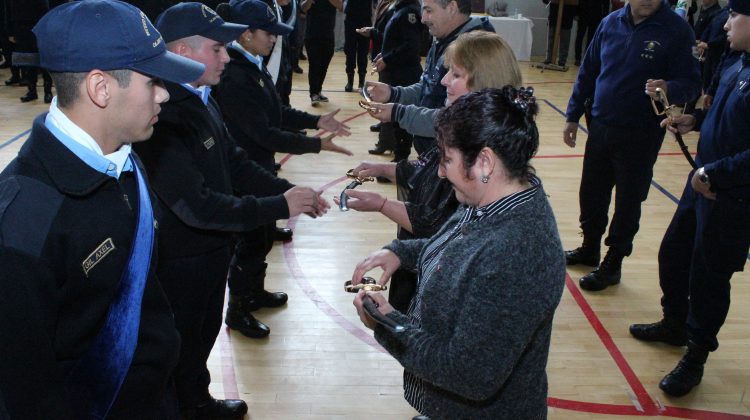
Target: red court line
{"type": "Point", "coordinates": [649, 406]}
{"type": "Point", "coordinates": [228, 379]}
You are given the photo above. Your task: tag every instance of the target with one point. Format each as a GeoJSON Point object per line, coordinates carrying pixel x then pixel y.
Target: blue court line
{"type": "Point", "coordinates": [654, 183]}
{"type": "Point", "coordinates": [14, 138]}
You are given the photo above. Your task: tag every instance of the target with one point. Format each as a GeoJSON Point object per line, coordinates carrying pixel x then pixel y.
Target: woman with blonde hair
{"type": "Point", "coordinates": [476, 60]}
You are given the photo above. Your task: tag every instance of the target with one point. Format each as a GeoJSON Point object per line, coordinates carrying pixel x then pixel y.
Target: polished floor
{"type": "Point", "coordinates": [320, 363]}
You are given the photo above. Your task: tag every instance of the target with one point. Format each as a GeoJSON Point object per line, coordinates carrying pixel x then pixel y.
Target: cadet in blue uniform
{"type": "Point", "coordinates": [254, 115]}
{"type": "Point", "coordinates": [709, 236]}
{"type": "Point", "coordinates": [87, 331]}
{"type": "Point", "coordinates": [358, 15]}
{"type": "Point", "coordinates": [399, 62]}
{"type": "Point", "coordinates": [210, 190]}
{"type": "Point", "coordinates": [645, 43]}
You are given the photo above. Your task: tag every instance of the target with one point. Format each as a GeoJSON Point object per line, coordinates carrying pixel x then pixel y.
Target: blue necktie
{"type": "Point", "coordinates": [96, 379]}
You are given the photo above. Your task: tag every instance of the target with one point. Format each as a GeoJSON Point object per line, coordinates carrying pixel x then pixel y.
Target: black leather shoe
{"type": "Point", "coordinates": [239, 318]}
{"type": "Point", "coordinates": [221, 409]}
{"type": "Point", "coordinates": [277, 166]}
{"type": "Point", "coordinates": [378, 150]}
{"type": "Point", "coordinates": [29, 96]}
{"type": "Point", "coordinates": [298, 70]}
{"type": "Point", "coordinates": [283, 234]}
{"type": "Point", "coordinates": [375, 128]}
{"type": "Point", "coordinates": [607, 274]}
{"type": "Point", "coordinates": [665, 331]}
{"type": "Point", "coordinates": [583, 255]}
{"type": "Point", "coordinates": [348, 87]}
{"type": "Point", "coordinates": [687, 374]}
{"type": "Point", "coordinates": [13, 81]}
{"type": "Point", "coordinates": [266, 299]}
{"type": "Point", "coordinates": [47, 98]}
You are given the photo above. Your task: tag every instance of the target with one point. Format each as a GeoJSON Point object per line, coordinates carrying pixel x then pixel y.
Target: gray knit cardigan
{"type": "Point", "coordinates": [486, 316]}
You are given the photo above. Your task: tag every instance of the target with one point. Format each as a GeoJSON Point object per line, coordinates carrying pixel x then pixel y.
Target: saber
{"type": "Point", "coordinates": [671, 111]}
{"type": "Point", "coordinates": [372, 311]}
{"type": "Point", "coordinates": [357, 181]}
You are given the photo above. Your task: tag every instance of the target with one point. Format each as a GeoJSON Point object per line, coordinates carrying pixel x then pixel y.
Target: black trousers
{"type": "Point", "coordinates": [586, 27]}
{"type": "Point", "coordinates": [319, 54]}
{"type": "Point", "coordinates": [247, 270]}
{"type": "Point", "coordinates": [356, 46]}
{"type": "Point", "coordinates": [706, 242]}
{"type": "Point", "coordinates": [195, 288]}
{"type": "Point", "coordinates": [623, 158]}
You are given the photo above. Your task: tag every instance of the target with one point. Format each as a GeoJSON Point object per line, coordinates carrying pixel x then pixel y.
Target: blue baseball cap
{"type": "Point", "coordinates": [257, 15]}
{"type": "Point", "coordinates": [85, 35]}
{"type": "Point", "coordinates": [190, 18]}
{"type": "Point", "coordinates": [740, 6]}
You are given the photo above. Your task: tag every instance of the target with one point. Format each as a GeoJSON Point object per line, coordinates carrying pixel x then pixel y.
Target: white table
{"type": "Point", "coordinates": [516, 32]}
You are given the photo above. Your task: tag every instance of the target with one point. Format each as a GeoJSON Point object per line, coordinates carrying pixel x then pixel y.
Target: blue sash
{"type": "Point", "coordinates": [96, 379]}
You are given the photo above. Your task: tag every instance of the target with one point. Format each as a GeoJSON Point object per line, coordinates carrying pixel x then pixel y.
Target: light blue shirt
{"type": "Point", "coordinates": [255, 59]}
{"type": "Point", "coordinates": [84, 146]}
{"type": "Point", "coordinates": [203, 92]}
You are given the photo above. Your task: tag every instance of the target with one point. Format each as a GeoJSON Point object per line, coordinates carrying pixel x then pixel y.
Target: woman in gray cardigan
{"type": "Point", "coordinates": [476, 336]}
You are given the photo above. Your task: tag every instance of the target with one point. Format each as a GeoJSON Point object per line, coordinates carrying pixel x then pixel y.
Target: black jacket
{"type": "Point", "coordinates": [55, 211]}
{"type": "Point", "coordinates": [401, 41]}
{"type": "Point", "coordinates": [208, 184]}
{"type": "Point", "coordinates": [254, 114]}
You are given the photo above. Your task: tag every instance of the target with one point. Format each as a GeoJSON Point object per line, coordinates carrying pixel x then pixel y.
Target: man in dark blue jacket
{"type": "Point", "coordinates": [709, 236]}
{"type": "Point", "coordinates": [86, 329]}
{"type": "Point", "coordinates": [209, 190]}
{"type": "Point", "coordinates": [643, 44]}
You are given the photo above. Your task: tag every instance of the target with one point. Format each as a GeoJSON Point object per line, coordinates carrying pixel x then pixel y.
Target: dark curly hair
{"type": "Point", "coordinates": [501, 119]}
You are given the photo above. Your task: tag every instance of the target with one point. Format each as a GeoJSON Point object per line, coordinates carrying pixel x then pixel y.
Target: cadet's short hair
{"type": "Point", "coordinates": [68, 84]}
{"type": "Point", "coordinates": [464, 6]}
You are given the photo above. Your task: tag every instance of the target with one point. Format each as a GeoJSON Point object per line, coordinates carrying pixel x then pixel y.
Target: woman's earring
{"type": "Point", "coordinates": [485, 179]}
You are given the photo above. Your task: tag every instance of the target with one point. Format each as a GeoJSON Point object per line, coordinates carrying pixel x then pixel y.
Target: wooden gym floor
{"type": "Point", "coordinates": [320, 363]}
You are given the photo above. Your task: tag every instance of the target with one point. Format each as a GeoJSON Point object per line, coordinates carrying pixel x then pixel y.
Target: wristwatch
{"type": "Point", "coordinates": [703, 176]}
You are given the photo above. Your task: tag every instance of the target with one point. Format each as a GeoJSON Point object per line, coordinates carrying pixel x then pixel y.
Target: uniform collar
{"type": "Point", "coordinates": [84, 146]}
{"type": "Point", "coordinates": [203, 92]}
{"type": "Point", "coordinates": [255, 59]}
{"type": "Point", "coordinates": [66, 170]}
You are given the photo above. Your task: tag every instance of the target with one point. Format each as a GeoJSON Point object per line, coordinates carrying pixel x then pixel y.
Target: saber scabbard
{"type": "Point", "coordinates": [671, 111]}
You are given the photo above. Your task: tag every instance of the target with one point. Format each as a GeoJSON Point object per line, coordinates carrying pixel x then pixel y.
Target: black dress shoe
{"type": "Point", "coordinates": [239, 318]}
{"type": "Point", "coordinates": [583, 255]}
{"type": "Point", "coordinates": [375, 128]}
{"type": "Point", "coordinates": [687, 374]}
{"type": "Point", "coordinates": [29, 96]}
{"type": "Point", "coordinates": [277, 166]}
{"type": "Point", "coordinates": [607, 274]}
{"type": "Point", "coordinates": [283, 234]}
{"type": "Point", "coordinates": [47, 98]}
{"type": "Point", "coordinates": [378, 150]}
{"type": "Point", "coordinates": [13, 81]}
{"type": "Point", "coordinates": [298, 70]}
{"type": "Point", "coordinates": [348, 87]}
{"type": "Point", "coordinates": [266, 299]}
{"type": "Point", "coordinates": [664, 331]}
{"type": "Point", "coordinates": [221, 409]}
{"type": "Point", "coordinates": [302, 56]}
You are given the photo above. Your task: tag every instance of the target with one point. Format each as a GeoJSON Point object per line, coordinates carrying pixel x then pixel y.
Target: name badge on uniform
{"type": "Point", "coordinates": [412, 18]}
{"type": "Point", "coordinates": [99, 253]}
{"type": "Point", "coordinates": [209, 143]}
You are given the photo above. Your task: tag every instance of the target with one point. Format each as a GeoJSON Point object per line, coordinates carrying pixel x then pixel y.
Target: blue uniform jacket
{"type": "Point", "coordinates": [65, 237]}
{"type": "Point", "coordinates": [622, 56]}
{"type": "Point", "coordinates": [724, 146]}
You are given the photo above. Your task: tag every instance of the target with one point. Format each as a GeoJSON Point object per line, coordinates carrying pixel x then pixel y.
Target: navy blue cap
{"type": "Point", "coordinates": [740, 6]}
{"type": "Point", "coordinates": [106, 35]}
{"type": "Point", "coordinates": [190, 18]}
{"type": "Point", "coordinates": [258, 15]}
